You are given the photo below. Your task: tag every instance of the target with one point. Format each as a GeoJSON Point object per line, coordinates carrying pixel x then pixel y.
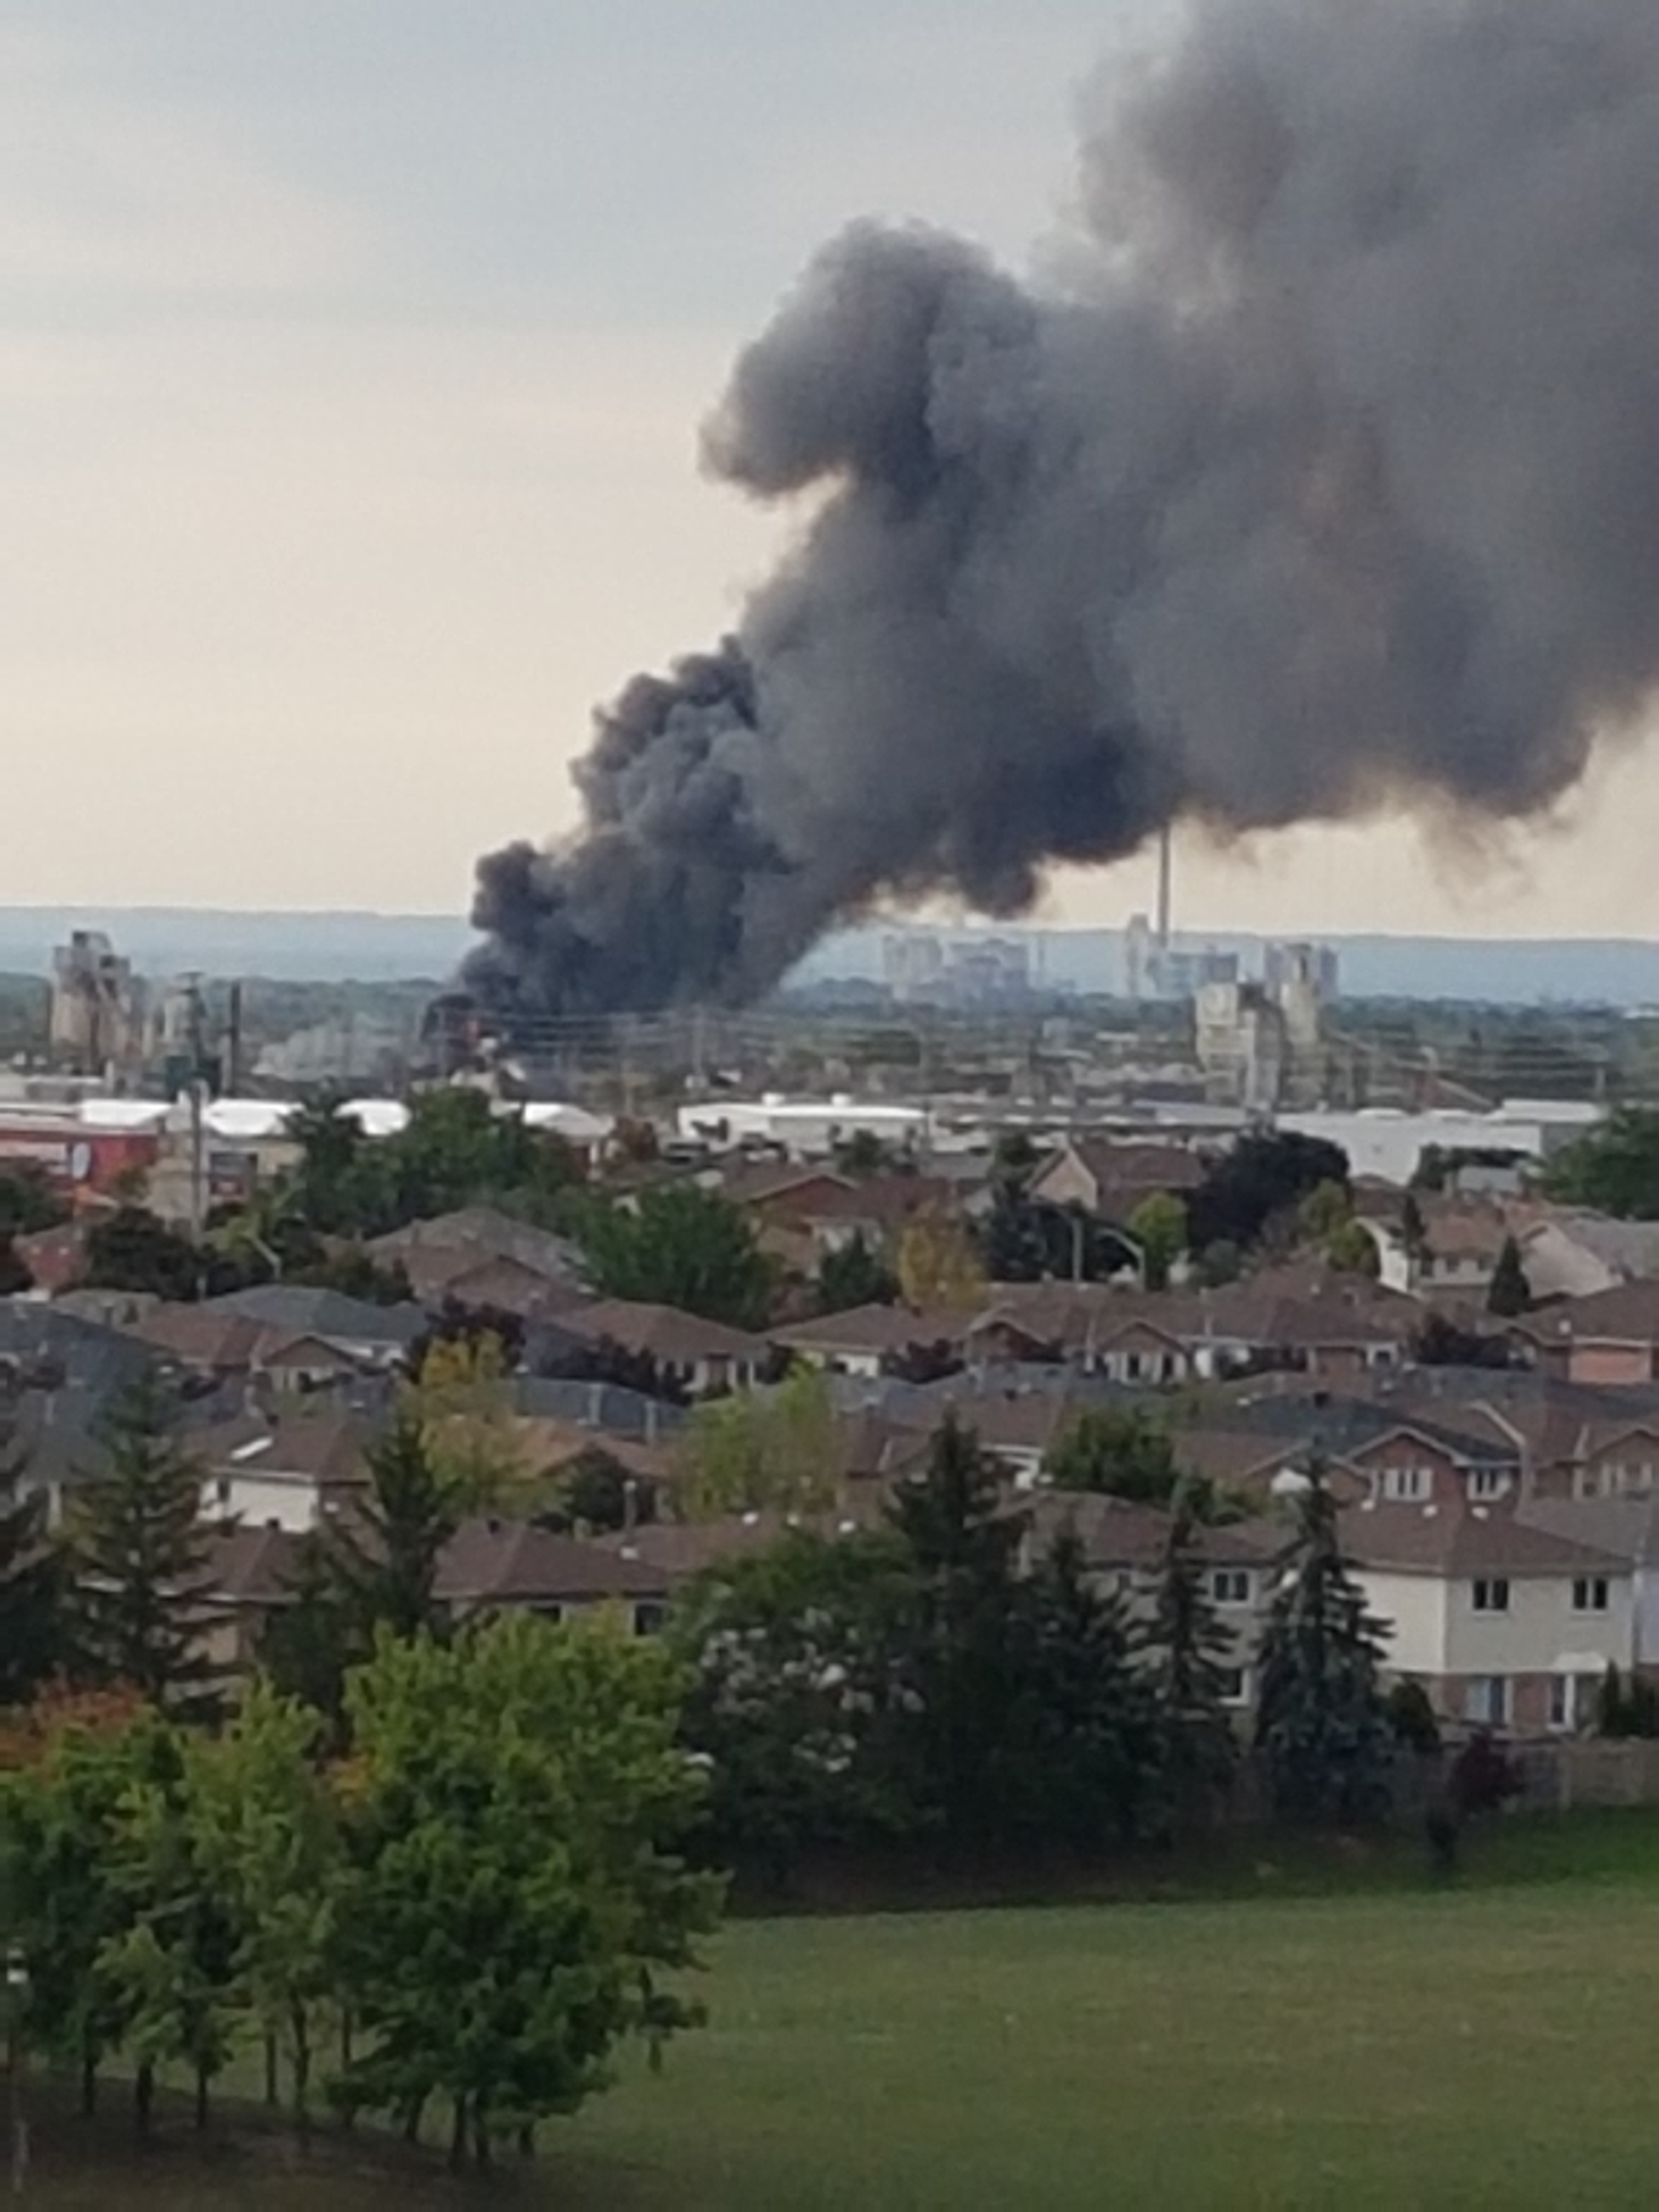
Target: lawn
{"type": "Point", "coordinates": [1402, 2048]}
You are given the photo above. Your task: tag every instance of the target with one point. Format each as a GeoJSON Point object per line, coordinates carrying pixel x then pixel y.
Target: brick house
{"type": "Point", "coordinates": [1608, 1339]}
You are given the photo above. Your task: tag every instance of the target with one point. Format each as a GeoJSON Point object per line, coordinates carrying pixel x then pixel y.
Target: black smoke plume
{"type": "Point", "coordinates": [1325, 478]}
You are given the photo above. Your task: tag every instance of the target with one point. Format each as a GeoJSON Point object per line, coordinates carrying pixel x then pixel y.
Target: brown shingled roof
{"type": "Point", "coordinates": [1423, 1539]}
{"type": "Point", "coordinates": [491, 1562]}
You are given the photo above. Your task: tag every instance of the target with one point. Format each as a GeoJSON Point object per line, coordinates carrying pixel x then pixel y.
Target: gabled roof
{"type": "Point", "coordinates": [877, 1328]}
{"type": "Point", "coordinates": [500, 1561]}
{"type": "Point", "coordinates": [679, 1550]}
{"type": "Point", "coordinates": [1626, 1314]}
{"type": "Point", "coordinates": [483, 1232]}
{"type": "Point", "coordinates": [1428, 1540]}
{"type": "Point", "coordinates": [324, 1446]}
{"type": "Point", "coordinates": [662, 1332]}
{"type": "Point", "coordinates": [296, 1311]}
{"type": "Point", "coordinates": [1116, 1533]}
{"type": "Point", "coordinates": [203, 1336]}
{"type": "Point", "coordinates": [251, 1566]}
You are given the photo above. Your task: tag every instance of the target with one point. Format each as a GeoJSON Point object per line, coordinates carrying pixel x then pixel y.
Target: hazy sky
{"type": "Point", "coordinates": [352, 354]}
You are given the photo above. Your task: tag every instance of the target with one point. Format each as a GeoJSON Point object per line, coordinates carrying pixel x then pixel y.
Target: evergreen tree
{"type": "Point", "coordinates": [1320, 1719]}
{"type": "Point", "coordinates": [1509, 1292]}
{"type": "Point", "coordinates": [31, 1625]}
{"type": "Point", "coordinates": [1187, 1651]}
{"type": "Point", "coordinates": [378, 1568]}
{"type": "Point", "coordinates": [963, 1549]}
{"type": "Point", "coordinates": [1088, 1745]}
{"type": "Point", "coordinates": [137, 1556]}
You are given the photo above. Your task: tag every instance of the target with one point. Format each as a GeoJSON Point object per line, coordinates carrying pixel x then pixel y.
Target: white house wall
{"type": "Point", "coordinates": [1541, 1633]}
{"type": "Point", "coordinates": [1415, 1607]}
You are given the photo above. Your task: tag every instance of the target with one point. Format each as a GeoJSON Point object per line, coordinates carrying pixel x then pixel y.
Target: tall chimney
{"type": "Point", "coordinates": [1163, 865]}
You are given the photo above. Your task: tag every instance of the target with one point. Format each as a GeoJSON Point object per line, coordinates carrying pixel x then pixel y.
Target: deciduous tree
{"type": "Point", "coordinates": [516, 1800]}
{"type": "Point", "coordinates": [682, 1246]}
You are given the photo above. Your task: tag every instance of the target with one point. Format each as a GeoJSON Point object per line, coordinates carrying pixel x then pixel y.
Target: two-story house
{"type": "Point", "coordinates": [1505, 1623]}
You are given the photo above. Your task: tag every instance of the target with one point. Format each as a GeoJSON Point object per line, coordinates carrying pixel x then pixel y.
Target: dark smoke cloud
{"type": "Point", "coordinates": [1327, 480]}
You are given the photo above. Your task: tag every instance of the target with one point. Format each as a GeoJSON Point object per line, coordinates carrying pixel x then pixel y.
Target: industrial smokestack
{"type": "Point", "coordinates": [1165, 868]}
{"type": "Point", "coordinates": [1329, 481]}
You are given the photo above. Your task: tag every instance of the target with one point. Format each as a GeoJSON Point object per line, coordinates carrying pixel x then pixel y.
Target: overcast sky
{"type": "Point", "coordinates": [352, 354]}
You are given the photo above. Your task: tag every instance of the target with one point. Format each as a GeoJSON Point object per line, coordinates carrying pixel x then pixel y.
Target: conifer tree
{"type": "Point", "coordinates": [1321, 1718]}
{"type": "Point", "coordinates": [963, 1550]}
{"type": "Point", "coordinates": [138, 1557]}
{"type": "Point", "coordinates": [376, 1569]}
{"type": "Point", "coordinates": [1187, 1652]}
{"type": "Point", "coordinates": [1509, 1293]}
{"type": "Point", "coordinates": [1088, 1740]}
{"type": "Point", "coordinates": [31, 1625]}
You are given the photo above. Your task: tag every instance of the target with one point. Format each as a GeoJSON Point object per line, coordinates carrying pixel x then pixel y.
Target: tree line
{"type": "Point", "coordinates": [422, 1861]}
{"type": "Point", "coordinates": [415, 1860]}
{"type": "Point", "coordinates": [937, 1680]}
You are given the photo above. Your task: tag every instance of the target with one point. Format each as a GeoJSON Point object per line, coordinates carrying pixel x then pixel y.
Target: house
{"type": "Point", "coordinates": [59, 1376]}
{"type": "Point", "coordinates": [1610, 1337]}
{"type": "Point", "coordinates": [478, 1256]}
{"type": "Point", "coordinates": [1628, 1528]}
{"type": "Point", "coordinates": [369, 1335]}
{"type": "Point", "coordinates": [1457, 1255]}
{"type": "Point", "coordinates": [1571, 1252]}
{"type": "Point", "coordinates": [700, 1357]}
{"type": "Point", "coordinates": [876, 1340]}
{"type": "Point", "coordinates": [1374, 1448]}
{"type": "Point", "coordinates": [1505, 1624]}
{"type": "Point", "coordinates": [292, 1472]}
{"type": "Point", "coordinates": [494, 1565]}
{"type": "Point", "coordinates": [681, 1551]}
{"type": "Point", "coordinates": [1124, 1335]}
{"type": "Point", "coordinates": [877, 1212]}
{"type": "Point", "coordinates": [1110, 1177]}
{"type": "Point", "coordinates": [1123, 1547]}
{"type": "Point", "coordinates": [247, 1574]}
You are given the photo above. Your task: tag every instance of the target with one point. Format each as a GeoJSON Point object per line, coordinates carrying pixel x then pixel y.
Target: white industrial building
{"type": "Point", "coordinates": [1388, 1143]}
{"type": "Point", "coordinates": [805, 1129]}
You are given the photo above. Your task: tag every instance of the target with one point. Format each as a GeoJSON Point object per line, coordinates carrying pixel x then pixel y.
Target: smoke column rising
{"type": "Point", "coordinates": [1328, 481]}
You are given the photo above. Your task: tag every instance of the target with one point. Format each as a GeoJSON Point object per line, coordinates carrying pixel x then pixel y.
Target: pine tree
{"type": "Point", "coordinates": [377, 1570]}
{"type": "Point", "coordinates": [1089, 1733]}
{"type": "Point", "coordinates": [1187, 1652]}
{"type": "Point", "coordinates": [31, 1591]}
{"type": "Point", "coordinates": [963, 1556]}
{"type": "Point", "coordinates": [1320, 1719]}
{"type": "Point", "coordinates": [138, 1555]}
{"type": "Point", "coordinates": [1509, 1292]}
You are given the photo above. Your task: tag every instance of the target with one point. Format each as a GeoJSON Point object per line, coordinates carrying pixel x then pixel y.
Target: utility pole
{"type": "Point", "coordinates": [233, 1043]}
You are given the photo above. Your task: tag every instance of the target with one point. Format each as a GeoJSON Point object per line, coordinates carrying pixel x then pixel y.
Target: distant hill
{"type": "Point", "coordinates": [290, 948]}
{"type": "Point", "coordinates": [327, 948]}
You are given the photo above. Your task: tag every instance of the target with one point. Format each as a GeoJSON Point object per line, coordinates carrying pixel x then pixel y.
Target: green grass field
{"type": "Point", "coordinates": [1403, 2047]}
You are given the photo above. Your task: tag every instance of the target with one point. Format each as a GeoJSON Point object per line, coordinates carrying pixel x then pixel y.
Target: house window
{"type": "Point", "coordinates": [1230, 1685]}
{"type": "Point", "coordinates": [222, 1490]}
{"type": "Point", "coordinates": [1407, 1486]}
{"type": "Point", "coordinates": [649, 1617]}
{"type": "Point", "coordinates": [1589, 1593]}
{"type": "Point", "coordinates": [1488, 1482]}
{"type": "Point", "coordinates": [1230, 1586]}
{"type": "Point", "coordinates": [1486, 1701]}
{"type": "Point", "coordinates": [1492, 1595]}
